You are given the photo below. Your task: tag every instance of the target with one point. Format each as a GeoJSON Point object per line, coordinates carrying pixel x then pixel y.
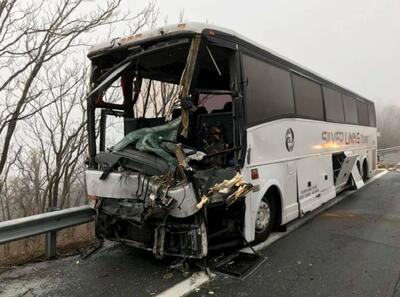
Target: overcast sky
{"type": "Point", "coordinates": [355, 43]}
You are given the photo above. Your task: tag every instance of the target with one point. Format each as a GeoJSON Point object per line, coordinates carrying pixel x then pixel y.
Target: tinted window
{"type": "Point", "coordinates": [363, 114]}
{"type": "Point", "coordinates": [333, 105]}
{"type": "Point", "coordinates": [268, 92]}
{"type": "Point", "coordinates": [350, 110]}
{"type": "Point", "coordinates": [371, 111]}
{"type": "Point", "coordinates": [308, 97]}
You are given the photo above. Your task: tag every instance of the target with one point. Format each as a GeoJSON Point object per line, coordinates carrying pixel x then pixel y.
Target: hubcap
{"type": "Point", "coordinates": [263, 217]}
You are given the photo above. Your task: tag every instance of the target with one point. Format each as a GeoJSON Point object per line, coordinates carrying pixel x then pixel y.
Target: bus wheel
{"type": "Point", "coordinates": [265, 219]}
{"type": "Point", "coordinates": [365, 171]}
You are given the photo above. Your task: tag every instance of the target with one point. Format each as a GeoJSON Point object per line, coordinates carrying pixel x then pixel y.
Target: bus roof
{"type": "Point", "coordinates": [195, 28]}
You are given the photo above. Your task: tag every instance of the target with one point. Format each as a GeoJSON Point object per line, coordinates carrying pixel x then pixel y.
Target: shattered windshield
{"type": "Point", "coordinates": [169, 93]}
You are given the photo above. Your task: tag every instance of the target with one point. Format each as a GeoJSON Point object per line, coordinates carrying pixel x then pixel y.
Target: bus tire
{"type": "Point", "coordinates": [365, 171]}
{"type": "Point", "coordinates": [265, 219]}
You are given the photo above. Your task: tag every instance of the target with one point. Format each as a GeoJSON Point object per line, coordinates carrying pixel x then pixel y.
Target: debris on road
{"type": "Point", "coordinates": [238, 265]}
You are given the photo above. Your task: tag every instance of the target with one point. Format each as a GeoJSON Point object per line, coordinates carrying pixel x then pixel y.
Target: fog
{"type": "Point", "coordinates": [354, 43]}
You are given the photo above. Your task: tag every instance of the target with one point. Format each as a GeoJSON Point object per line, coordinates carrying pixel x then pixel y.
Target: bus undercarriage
{"type": "Point", "coordinates": [172, 184]}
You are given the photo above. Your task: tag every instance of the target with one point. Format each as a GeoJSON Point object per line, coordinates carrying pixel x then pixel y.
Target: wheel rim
{"type": "Point", "coordinates": [263, 217]}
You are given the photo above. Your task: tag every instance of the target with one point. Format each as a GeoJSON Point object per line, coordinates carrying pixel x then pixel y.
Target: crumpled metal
{"type": "Point", "coordinates": [186, 81]}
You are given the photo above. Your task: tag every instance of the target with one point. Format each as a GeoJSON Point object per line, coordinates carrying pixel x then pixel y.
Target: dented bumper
{"type": "Point", "coordinates": [133, 208]}
{"type": "Point", "coordinates": [179, 201]}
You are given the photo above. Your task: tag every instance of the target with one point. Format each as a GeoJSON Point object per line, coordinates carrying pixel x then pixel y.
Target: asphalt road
{"type": "Point", "coordinates": [352, 249]}
{"type": "Point", "coordinates": [116, 270]}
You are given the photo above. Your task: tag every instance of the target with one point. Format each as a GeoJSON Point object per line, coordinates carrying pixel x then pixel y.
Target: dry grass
{"type": "Point", "coordinates": [69, 241]}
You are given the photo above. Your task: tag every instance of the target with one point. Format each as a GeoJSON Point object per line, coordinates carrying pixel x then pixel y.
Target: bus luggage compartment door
{"type": "Point", "coordinates": [315, 182]}
{"type": "Point", "coordinates": [348, 167]}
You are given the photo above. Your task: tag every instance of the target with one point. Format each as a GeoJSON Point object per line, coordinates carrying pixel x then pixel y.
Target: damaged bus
{"type": "Point", "coordinates": [249, 142]}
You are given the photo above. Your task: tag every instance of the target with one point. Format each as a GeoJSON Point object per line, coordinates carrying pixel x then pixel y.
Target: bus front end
{"type": "Point", "coordinates": [165, 144]}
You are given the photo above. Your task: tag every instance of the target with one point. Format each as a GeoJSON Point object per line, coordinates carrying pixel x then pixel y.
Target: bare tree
{"type": "Point", "coordinates": [157, 99]}
{"type": "Point", "coordinates": [58, 132]}
{"type": "Point", "coordinates": [5, 193]}
{"type": "Point", "coordinates": [42, 84]}
{"type": "Point", "coordinates": [24, 189]}
{"type": "Point", "coordinates": [32, 35]}
{"type": "Point", "coordinates": [388, 120]}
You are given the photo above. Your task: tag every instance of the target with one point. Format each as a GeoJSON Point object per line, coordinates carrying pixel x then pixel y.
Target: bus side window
{"type": "Point", "coordinates": [363, 114]}
{"type": "Point", "coordinates": [350, 110]}
{"type": "Point", "coordinates": [333, 105]}
{"type": "Point", "coordinates": [308, 98]}
{"type": "Point", "coordinates": [268, 91]}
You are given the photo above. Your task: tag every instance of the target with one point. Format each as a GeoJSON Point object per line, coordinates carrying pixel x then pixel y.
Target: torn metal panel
{"type": "Point", "coordinates": [186, 200]}
{"type": "Point", "coordinates": [186, 81]}
{"type": "Point", "coordinates": [228, 191]}
{"type": "Point", "coordinates": [181, 158]}
{"type": "Point", "coordinates": [117, 185]}
{"type": "Point", "coordinates": [110, 78]}
{"type": "Point", "coordinates": [358, 181]}
{"type": "Point", "coordinates": [347, 166]}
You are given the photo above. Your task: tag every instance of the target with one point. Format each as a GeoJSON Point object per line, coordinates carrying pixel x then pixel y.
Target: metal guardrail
{"type": "Point", "coordinates": [384, 151]}
{"type": "Point", "coordinates": [387, 150]}
{"type": "Point", "coordinates": [48, 223]}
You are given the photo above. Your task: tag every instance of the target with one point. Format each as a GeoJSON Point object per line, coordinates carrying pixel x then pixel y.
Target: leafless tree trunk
{"type": "Point", "coordinates": [32, 35]}
{"type": "Point", "coordinates": [58, 132]}
{"type": "Point", "coordinates": [4, 188]}
{"type": "Point", "coordinates": [39, 41]}
{"type": "Point", "coordinates": [157, 99]}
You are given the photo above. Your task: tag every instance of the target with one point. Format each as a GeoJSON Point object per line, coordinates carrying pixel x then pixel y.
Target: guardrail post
{"type": "Point", "coordinates": [51, 245]}
{"type": "Point", "coordinates": [51, 240]}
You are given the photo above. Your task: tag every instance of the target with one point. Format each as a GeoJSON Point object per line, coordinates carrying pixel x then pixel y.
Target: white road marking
{"type": "Point", "coordinates": [186, 286]}
{"type": "Point", "coordinates": [198, 279]}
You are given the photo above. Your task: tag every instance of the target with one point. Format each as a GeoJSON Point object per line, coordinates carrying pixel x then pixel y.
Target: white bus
{"type": "Point", "coordinates": [245, 142]}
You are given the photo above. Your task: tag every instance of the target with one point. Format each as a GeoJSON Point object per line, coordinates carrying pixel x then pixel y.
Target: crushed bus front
{"type": "Point", "coordinates": [172, 182]}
